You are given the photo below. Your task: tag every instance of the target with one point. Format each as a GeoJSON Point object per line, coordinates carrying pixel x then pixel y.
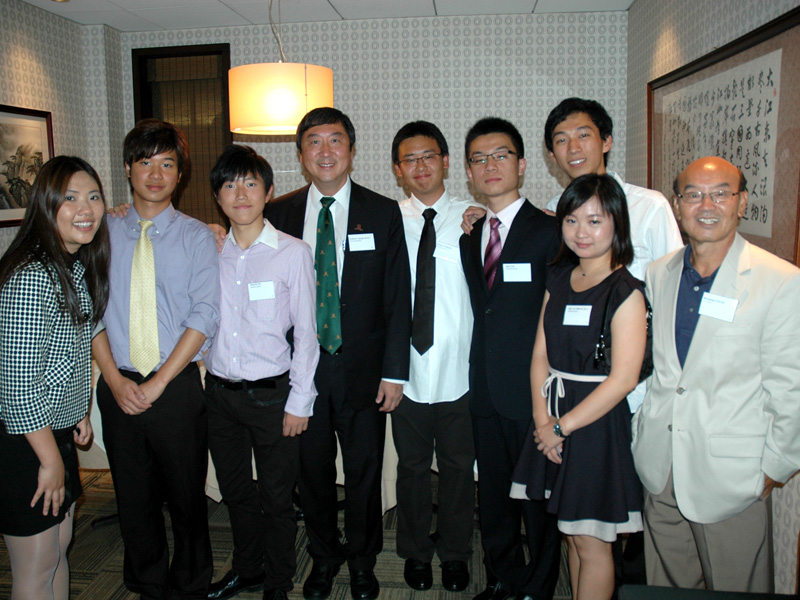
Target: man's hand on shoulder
{"type": "Point", "coordinates": [120, 210]}
{"type": "Point", "coordinates": [389, 395]}
{"type": "Point", "coordinates": [470, 216]}
{"type": "Point", "coordinates": [219, 234]}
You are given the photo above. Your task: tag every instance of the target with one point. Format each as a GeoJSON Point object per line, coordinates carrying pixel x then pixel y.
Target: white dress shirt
{"type": "Point", "coordinates": [506, 217]}
{"type": "Point", "coordinates": [339, 211]}
{"type": "Point", "coordinates": [654, 233]}
{"type": "Point", "coordinates": [442, 373]}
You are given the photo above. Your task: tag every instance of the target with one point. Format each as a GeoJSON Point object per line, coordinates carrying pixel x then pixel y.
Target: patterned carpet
{"type": "Point", "coordinates": [96, 555]}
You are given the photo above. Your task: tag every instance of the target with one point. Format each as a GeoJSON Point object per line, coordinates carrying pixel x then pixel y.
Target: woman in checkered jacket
{"type": "Point", "coordinates": [53, 288]}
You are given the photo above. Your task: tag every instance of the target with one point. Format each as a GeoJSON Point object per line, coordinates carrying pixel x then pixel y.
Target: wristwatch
{"type": "Point", "coordinates": [557, 430]}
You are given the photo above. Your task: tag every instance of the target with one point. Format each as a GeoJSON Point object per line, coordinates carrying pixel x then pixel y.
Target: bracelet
{"type": "Point", "coordinates": [558, 431]}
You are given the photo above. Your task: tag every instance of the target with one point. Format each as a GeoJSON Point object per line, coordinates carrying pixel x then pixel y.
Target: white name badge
{"type": "Point", "coordinates": [718, 307]}
{"type": "Point", "coordinates": [261, 290]}
{"type": "Point", "coordinates": [577, 314]}
{"type": "Point", "coordinates": [519, 272]}
{"type": "Point", "coordinates": [448, 252]}
{"type": "Point", "coordinates": [360, 242]}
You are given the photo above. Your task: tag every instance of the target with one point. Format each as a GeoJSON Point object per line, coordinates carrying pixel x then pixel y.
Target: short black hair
{"type": "Point", "coordinates": [325, 116]}
{"type": "Point", "coordinates": [495, 125]}
{"type": "Point", "coordinates": [239, 161]}
{"type": "Point", "coordinates": [742, 183]}
{"type": "Point", "coordinates": [414, 129]}
{"type": "Point", "coordinates": [613, 203]}
{"type": "Point", "coordinates": [153, 136]}
{"type": "Point", "coordinates": [569, 107]}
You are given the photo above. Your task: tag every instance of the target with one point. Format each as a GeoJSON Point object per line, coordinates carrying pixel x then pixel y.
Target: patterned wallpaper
{"type": "Point", "coordinates": [449, 70]}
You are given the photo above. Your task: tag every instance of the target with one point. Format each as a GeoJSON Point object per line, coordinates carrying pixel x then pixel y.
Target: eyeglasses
{"type": "Point", "coordinates": [498, 156]}
{"type": "Point", "coordinates": [716, 196]}
{"type": "Point", "coordinates": [424, 159]}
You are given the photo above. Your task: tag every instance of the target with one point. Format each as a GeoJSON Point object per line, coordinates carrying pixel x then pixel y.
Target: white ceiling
{"type": "Point", "coordinates": [155, 15]}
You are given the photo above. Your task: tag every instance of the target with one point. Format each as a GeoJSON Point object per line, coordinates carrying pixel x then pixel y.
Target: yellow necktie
{"type": "Point", "coordinates": [143, 324]}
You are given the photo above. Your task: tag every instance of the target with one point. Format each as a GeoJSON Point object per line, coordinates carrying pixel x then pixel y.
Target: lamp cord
{"type": "Point", "coordinates": [276, 30]}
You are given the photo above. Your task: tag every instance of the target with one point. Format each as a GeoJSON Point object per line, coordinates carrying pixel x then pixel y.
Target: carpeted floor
{"type": "Point", "coordinates": [96, 555]}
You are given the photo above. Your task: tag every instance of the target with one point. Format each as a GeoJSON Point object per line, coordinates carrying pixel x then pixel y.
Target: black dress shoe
{"type": "Point", "coordinates": [274, 595]}
{"type": "Point", "coordinates": [418, 574]}
{"type": "Point", "coordinates": [232, 584]}
{"type": "Point", "coordinates": [363, 584]}
{"type": "Point", "coordinates": [319, 582]}
{"type": "Point", "coordinates": [494, 591]}
{"type": "Point", "coordinates": [455, 575]}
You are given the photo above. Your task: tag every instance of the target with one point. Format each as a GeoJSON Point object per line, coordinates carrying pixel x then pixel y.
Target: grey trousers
{"type": "Point", "coordinates": [733, 555]}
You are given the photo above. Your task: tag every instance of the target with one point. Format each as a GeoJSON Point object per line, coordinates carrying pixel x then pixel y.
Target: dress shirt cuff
{"type": "Point", "coordinates": [397, 381]}
{"type": "Point", "coordinates": [205, 319]}
{"type": "Point", "coordinates": [300, 405]}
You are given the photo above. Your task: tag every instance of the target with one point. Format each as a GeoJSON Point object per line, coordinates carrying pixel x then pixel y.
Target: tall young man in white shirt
{"type": "Point", "coordinates": [435, 414]}
{"type": "Point", "coordinates": [578, 135]}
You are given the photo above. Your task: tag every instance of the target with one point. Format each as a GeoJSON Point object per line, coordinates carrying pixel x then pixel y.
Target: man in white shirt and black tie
{"type": "Point", "coordinates": [435, 413]}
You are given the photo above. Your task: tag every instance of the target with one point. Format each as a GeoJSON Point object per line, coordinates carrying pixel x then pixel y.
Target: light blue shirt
{"type": "Point", "coordinates": [187, 281]}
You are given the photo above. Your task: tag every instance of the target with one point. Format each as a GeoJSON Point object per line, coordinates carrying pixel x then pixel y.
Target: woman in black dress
{"type": "Point", "coordinates": [53, 287]}
{"type": "Point", "coordinates": [582, 425]}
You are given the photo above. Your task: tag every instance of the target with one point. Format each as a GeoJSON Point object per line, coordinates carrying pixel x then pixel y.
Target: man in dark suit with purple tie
{"type": "Point", "coordinates": [505, 260]}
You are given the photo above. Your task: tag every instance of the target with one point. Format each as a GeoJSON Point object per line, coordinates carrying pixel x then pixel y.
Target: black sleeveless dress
{"type": "Point", "coordinates": [595, 490]}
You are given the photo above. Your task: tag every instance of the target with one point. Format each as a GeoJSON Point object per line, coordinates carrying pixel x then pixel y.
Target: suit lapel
{"type": "Point", "coordinates": [517, 234]}
{"type": "Point", "coordinates": [297, 216]}
{"type": "Point", "coordinates": [475, 239]}
{"type": "Point", "coordinates": [730, 282]}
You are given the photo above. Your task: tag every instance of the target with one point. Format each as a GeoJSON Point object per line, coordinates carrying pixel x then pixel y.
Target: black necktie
{"type": "Point", "coordinates": [422, 325]}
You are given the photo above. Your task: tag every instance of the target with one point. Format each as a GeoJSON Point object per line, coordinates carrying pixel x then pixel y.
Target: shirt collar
{"type": "Point", "coordinates": [441, 206]}
{"type": "Point", "coordinates": [342, 196]}
{"type": "Point", "coordinates": [689, 270]}
{"type": "Point", "coordinates": [508, 214]}
{"type": "Point", "coordinates": [160, 221]}
{"type": "Point", "coordinates": [268, 237]}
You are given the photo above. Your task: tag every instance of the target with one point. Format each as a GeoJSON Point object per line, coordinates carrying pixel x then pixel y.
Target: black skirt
{"type": "Point", "coordinates": [19, 478]}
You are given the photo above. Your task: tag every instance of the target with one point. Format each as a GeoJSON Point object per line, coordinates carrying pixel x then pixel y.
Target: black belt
{"type": "Point", "coordinates": [268, 383]}
{"type": "Point", "coordinates": [140, 379]}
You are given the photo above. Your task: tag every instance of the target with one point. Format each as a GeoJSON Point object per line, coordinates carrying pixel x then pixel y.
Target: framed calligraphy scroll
{"type": "Point", "coordinates": [742, 103]}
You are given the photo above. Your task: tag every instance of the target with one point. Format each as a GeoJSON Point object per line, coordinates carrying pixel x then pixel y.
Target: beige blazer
{"type": "Point", "coordinates": [733, 413]}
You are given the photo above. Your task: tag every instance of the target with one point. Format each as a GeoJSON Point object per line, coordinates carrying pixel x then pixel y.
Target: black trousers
{"type": "Point", "coordinates": [498, 442]}
{"type": "Point", "coordinates": [418, 431]}
{"type": "Point", "coordinates": [243, 424]}
{"type": "Point", "coordinates": [361, 436]}
{"type": "Point", "coordinates": [161, 456]}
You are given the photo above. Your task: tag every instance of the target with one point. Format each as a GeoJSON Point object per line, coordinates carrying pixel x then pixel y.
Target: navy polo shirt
{"type": "Point", "coordinates": [690, 294]}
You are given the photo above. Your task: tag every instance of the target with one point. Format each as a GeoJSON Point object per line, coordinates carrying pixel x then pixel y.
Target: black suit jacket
{"type": "Point", "coordinates": [506, 318]}
{"type": "Point", "coordinates": [375, 289]}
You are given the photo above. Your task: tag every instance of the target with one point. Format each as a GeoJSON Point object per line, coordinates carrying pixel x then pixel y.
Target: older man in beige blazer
{"type": "Point", "coordinates": [720, 424]}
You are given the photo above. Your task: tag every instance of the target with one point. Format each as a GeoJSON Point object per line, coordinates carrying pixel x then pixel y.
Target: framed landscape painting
{"type": "Point", "coordinates": [26, 143]}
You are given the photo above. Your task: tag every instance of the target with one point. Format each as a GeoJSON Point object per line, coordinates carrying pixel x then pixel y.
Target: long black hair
{"type": "Point", "coordinates": [38, 239]}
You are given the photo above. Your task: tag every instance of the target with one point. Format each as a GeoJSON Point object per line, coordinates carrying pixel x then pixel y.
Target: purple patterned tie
{"type": "Point", "coordinates": [493, 249]}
